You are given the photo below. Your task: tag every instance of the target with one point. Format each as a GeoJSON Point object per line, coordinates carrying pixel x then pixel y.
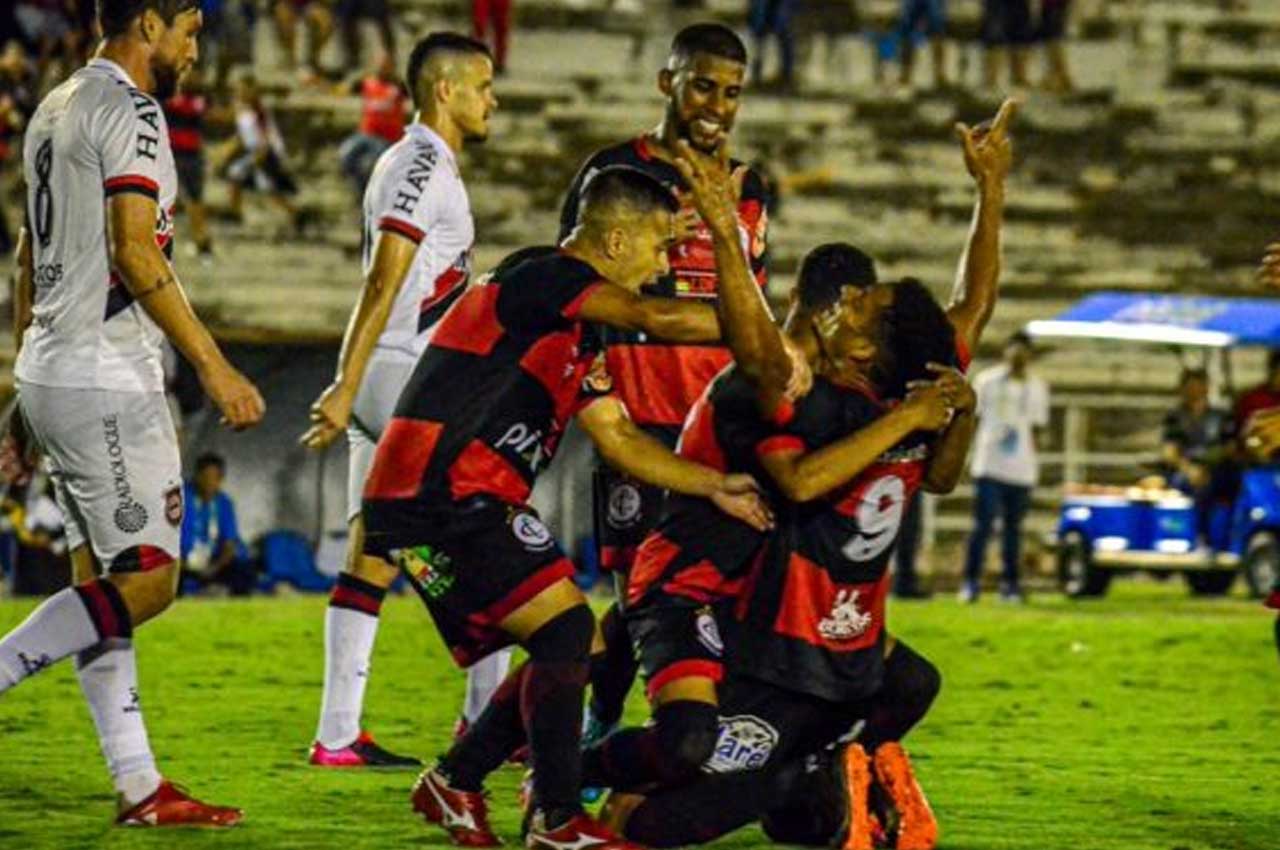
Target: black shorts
{"type": "Point", "coordinates": [1006, 23]}
{"type": "Point", "coordinates": [624, 511]}
{"type": "Point", "coordinates": [675, 641]}
{"type": "Point", "coordinates": [1053, 20]}
{"type": "Point", "coordinates": [765, 726]}
{"type": "Point", "coordinates": [472, 562]}
{"type": "Point", "coordinates": [190, 168]}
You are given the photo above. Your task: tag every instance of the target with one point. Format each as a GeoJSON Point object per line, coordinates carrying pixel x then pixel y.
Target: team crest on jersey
{"type": "Point", "coordinates": [624, 505]}
{"type": "Point", "coordinates": [745, 743]}
{"type": "Point", "coordinates": [530, 531]}
{"type": "Point", "coordinates": [173, 506]}
{"type": "Point", "coordinates": [846, 621]}
{"type": "Point", "coordinates": [708, 632]}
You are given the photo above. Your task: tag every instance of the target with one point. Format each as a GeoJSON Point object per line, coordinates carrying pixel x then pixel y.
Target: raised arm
{"type": "Point", "coordinates": [748, 326]}
{"type": "Point", "coordinates": [988, 154]}
{"type": "Point", "coordinates": [392, 257]}
{"type": "Point", "coordinates": [625, 447]}
{"type": "Point", "coordinates": [149, 278]}
{"type": "Point", "coordinates": [804, 476]}
{"type": "Point", "coordinates": [670, 319]}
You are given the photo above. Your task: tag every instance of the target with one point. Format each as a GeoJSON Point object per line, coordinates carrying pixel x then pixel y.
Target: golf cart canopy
{"type": "Point", "coordinates": [1170, 319]}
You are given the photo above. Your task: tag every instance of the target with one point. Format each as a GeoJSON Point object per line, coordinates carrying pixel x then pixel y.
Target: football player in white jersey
{"type": "Point", "coordinates": [418, 233]}
{"type": "Point", "coordinates": [96, 297]}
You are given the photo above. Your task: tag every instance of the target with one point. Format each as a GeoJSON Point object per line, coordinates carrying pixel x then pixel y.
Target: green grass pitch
{"type": "Point", "coordinates": [1146, 721]}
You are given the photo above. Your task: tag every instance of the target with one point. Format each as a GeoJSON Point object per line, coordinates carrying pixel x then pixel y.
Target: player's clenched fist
{"type": "Point", "coordinates": [1269, 271]}
{"type": "Point", "coordinates": [235, 396]}
{"type": "Point", "coordinates": [329, 416]}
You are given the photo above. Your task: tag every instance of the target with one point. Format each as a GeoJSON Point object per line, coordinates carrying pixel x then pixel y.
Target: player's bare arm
{"type": "Point", "coordinates": [748, 325]}
{"type": "Point", "coordinates": [392, 257]}
{"type": "Point", "coordinates": [669, 319]}
{"type": "Point", "coordinates": [629, 449]}
{"type": "Point", "coordinates": [151, 281]}
{"type": "Point", "coordinates": [988, 155]}
{"type": "Point", "coordinates": [805, 476]}
{"type": "Point", "coordinates": [23, 281]}
{"type": "Point", "coordinates": [951, 447]}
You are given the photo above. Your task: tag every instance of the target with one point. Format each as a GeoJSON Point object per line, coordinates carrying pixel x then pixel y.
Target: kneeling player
{"type": "Point", "coordinates": [446, 497]}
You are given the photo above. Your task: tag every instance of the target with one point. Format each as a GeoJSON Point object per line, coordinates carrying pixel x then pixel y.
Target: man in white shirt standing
{"type": "Point", "coordinates": [95, 299]}
{"type": "Point", "coordinates": [418, 234]}
{"type": "Point", "coordinates": [1013, 405]}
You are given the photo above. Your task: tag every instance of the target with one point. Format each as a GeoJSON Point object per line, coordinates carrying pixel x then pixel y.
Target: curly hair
{"type": "Point", "coordinates": [916, 333]}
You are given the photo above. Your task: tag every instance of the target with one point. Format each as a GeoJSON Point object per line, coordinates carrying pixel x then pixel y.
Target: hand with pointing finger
{"type": "Point", "coordinates": [988, 149]}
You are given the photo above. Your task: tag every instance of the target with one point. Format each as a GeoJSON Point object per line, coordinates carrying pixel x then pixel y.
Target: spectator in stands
{"type": "Point", "coordinates": [923, 21]}
{"type": "Point", "coordinates": [257, 155]}
{"type": "Point", "coordinates": [1006, 32]}
{"type": "Point", "coordinates": [48, 28]}
{"type": "Point", "coordinates": [773, 16]}
{"type": "Point", "coordinates": [212, 552]}
{"type": "Point", "coordinates": [1196, 447]}
{"type": "Point", "coordinates": [17, 102]}
{"type": "Point", "coordinates": [382, 117]}
{"type": "Point", "coordinates": [1053, 28]}
{"type": "Point", "coordinates": [226, 38]}
{"type": "Point", "coordinates": [1013, 406]}
{"type": "Point", "coordinates": [498, 13]}
{"type": "Point", "coordinates": [1254, 402]}
{"type": "Point", "coordinates": [319, 22]}
{"type": "Point", "coordinates": [185, 113]}
{"type": "Point", "coordinates": [350, 13]}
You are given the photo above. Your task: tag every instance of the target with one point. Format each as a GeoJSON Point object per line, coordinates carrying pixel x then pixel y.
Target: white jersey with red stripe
{"type": "Point", "coordinates": [94, 136]}
{"type": "Point", "coordinates": [416, 191]}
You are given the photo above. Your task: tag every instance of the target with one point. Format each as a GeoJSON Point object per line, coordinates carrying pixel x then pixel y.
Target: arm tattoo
{"type": "Point", "coordinates": [161, 283]}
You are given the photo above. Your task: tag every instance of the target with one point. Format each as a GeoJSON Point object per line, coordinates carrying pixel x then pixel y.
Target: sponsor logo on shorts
{"type": "Point", "coordinates": [173, 505]}
{"type": "Point", "coordinates": [745, 743]}
{"type": "Point", "coordinates": [130, 516]}
{"type": "Point", "coordinates": [430, 569]}
{"type": "Point", "coordinates": [845, 621]}
{"type": "Point", "coordinates": [708, 631]}
{"type": "Point", "coordinates": [624, 505]}
{"type": "Point", "coordinates": [530, 531]}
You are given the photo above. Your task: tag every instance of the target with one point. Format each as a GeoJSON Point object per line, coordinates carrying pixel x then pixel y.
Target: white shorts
{"type": "Point", "coordinates": [384, 380]}
{"type": "Point", "coordinates": [113, 458]}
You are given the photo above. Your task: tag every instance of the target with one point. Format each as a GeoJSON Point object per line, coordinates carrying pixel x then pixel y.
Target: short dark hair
{"type": "Point", "coordinates": [432, 45]}
{"type": "Point", "coordinates": [917, 333]}
{"type": "Point", "coordinates": [1192, 373]}
{"type": "Point", "coordinates": [715, 39]}
{"type": "Point", "coordinates": [211, 459]}
{"type": "Point", "coordinates": [114, 16]}
{"type": "Point", "coordinates": [828, 268]}
{"type": "Point", "coordinates": [1019, 338]}
{"type": "Point", "coordinates": [622, 185]}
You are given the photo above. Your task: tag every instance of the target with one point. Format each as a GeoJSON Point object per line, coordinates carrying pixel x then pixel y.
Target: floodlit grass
{"type": "Point", "coordinates": [1146, 721]}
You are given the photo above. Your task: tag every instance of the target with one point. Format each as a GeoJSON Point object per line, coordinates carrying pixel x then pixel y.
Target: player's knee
{"type": "Point", "coordinates": [913, 676]}
{"type": "Point", "coordinates": [687, 733]}
{"type": "Point", "coordinates": [149, 592]}
{"type": "Point", "coordinates": [564, 638]}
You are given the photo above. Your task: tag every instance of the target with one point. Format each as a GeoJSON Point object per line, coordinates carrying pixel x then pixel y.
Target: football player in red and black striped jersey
{"type": "Point", "coordinates": [481, 416]}
{"type": "Point", "coordinates": [659, 381]}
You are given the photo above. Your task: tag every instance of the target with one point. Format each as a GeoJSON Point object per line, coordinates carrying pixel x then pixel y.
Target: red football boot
{"type": "Point", "coordinates": [917, 828]}
{"type": "Point", "coordinates": [578, 833]}
{"type": "Point", "coordinates": [362, 752]}
{"type": "Point", "coordinates": [169, 805]}
{"type": "Point", "coordinates": [463, 814]}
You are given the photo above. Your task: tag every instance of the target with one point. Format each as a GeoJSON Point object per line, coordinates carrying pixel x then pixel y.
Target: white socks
{"type": "Point", "coordinates": [59, 627]}
{"type": "Point", "coordinates": [483, 679]}
{"type": "Point", "coordinates": [348, 645]}
{"type": "Point", "coordinates": [108, 676]}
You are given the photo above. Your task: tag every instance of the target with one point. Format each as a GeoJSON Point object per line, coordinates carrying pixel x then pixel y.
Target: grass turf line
{"type": "Point", "coordinates": [1146, 721]}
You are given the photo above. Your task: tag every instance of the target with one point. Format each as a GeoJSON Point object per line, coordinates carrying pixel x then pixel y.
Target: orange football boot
{"type": "Point", "coordinates": [917, 828]}
{"type": "Point", "coordinates": [853, 767]}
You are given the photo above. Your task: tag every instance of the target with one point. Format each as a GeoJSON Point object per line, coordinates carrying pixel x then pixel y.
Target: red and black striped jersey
{"type": "Point", "coordinates": [813, 608]}
{"type": "Point", "coordinates": [490, 397]}
{"type": "Point", "coordinates": [698, 554]}
{"type": "Point", "coordinates": [658, 381]}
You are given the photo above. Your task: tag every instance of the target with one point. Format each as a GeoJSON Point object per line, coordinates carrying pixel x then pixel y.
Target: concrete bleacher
{"type": "Point", "coordinates": [1159, 174]}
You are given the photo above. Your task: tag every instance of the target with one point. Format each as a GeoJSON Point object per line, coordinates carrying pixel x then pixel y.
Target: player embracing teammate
{"type": "Point", "coordinates": [95, 300]}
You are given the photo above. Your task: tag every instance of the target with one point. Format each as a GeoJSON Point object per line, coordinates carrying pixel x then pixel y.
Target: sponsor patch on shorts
{"type": "Point", "coordinates": [624, 505]}
{"type": "Point", "coordinates": [745, 743]}
{"type": "Point", "coordinates": [531, 531]}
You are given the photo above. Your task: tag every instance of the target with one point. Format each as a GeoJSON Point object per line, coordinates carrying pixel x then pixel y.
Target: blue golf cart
{"type": "Point", "coordinates": [1103, 531]}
